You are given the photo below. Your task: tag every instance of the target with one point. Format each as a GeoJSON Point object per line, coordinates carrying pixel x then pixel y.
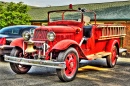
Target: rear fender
{"type": "Point", "coordinates": [19, 43]}
{"type": "Point", "coordinates": [65, 44]}
{"type": "Point", "coordinates": [111, 44]}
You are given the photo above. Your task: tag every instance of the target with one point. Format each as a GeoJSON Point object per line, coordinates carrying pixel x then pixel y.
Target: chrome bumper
{"type": "Point", "coordinates": [33, 62]}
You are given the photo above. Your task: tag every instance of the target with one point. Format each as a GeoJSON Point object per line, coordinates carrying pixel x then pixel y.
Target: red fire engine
{"type": "Point", "coordinates": [64, 42]}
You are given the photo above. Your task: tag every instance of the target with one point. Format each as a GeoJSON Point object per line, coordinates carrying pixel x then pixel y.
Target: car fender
{"type": "Point", "coordinates": [18, 42]}
{"type": "Point", "coordinates": [65, 44]}
{"type": "Point", "coordinates": [110, 45]}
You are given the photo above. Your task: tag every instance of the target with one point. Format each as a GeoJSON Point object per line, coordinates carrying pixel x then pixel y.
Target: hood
{"type": "Point", "coordinates": [9, 37]}
{"type": "Point", "coordinates": [3, 35]}
{"type": "Point", "coordinates": [60, 28]}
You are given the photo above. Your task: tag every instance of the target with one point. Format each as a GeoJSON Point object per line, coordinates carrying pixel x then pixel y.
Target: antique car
{"type": "Point", "coordinates": [68, 38]}
{"type": "Point", "coordinates": [7, 34]}
{"type": "Point", "coordinates": [16, 31]}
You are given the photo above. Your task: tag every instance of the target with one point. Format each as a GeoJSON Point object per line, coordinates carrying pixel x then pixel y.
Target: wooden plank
{"type": "Point", "coordinates": [98, 55]}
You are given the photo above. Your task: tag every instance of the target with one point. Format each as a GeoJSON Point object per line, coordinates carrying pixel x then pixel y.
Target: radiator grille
{"type": "Point", "coordinates": [40, 35]}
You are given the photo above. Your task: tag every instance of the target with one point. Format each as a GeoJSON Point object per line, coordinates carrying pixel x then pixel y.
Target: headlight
{"type": "Point", "coordinates": [51, 36]}
{"type": "Point", "coordinates": [26, 35]}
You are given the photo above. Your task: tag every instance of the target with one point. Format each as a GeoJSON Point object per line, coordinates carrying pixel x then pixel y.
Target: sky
{"type": "Point", "coordinates": [44, 3]}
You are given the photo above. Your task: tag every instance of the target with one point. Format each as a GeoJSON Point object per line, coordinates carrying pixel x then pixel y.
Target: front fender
{"type": "Point", "coordinates": [112, 43]}
{"type": "Point", "coordinates": [18, 43]}
{"type": "Point", "coordinates": [64, 44]}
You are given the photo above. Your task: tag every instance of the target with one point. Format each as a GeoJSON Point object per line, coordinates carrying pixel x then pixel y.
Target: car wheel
{"type": "Point", "coordinates": [112, 59]}
{"type": "Point", "coordinates": [70, 56]}
{"type": "Point", "coordinates": [18, 68]}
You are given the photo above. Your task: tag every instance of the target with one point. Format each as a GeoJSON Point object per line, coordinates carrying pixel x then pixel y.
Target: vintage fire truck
{"type": "Point", "coordinates": [64, 42]}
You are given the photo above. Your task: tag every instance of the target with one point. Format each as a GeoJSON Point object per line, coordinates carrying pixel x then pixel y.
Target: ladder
{"type": "Point", "coordinates": [109, 31]}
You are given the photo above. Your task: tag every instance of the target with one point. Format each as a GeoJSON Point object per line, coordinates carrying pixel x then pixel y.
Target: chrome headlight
{"type": "Point", "coordinates": [26, 35]}
{"type": "Point", "coordinates": [51, 36]}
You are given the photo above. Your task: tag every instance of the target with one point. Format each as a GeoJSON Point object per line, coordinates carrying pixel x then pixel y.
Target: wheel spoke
{"type": "Point", "coordinates": [112, 59]}
{"type": "Point", "coordinates": [67, 71]}
{"type": "Point", "coordinates": [68, 62]}
{"type": "Point", "coordinates": [113, 56]}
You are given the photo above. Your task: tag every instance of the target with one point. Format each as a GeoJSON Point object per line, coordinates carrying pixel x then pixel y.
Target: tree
{"type": "Point", "coordinates": [14, 14]}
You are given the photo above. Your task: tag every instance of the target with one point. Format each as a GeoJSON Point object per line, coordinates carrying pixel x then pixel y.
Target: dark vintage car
{"type": "Point", "coordinates": [12, 32]}
{"type": "Point", "coordinates": [8, 34]}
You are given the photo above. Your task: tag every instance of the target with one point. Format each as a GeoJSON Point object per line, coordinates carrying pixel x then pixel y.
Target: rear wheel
{"type": "Point", "coordinates": [18, 68]}
{"type": "Point", "coordinates": [112, 59]}
{"type": "Point", "coordinates": [70, 57]}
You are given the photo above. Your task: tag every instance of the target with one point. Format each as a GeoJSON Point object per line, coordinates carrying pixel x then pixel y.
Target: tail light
{"type": "Point", "coordinates": [2, 41]}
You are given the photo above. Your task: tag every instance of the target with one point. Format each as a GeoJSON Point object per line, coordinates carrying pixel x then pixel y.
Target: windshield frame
{"type": "Point", "coordinates": [82, 11]}
{"type": "Point", "coordinates": [63, 11]}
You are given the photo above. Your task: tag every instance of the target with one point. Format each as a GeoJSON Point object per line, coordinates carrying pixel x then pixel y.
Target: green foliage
{"type": "Point", "coordinates": [14, 14]}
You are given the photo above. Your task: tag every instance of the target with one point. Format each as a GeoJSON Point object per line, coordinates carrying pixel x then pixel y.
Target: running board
{"type": "Point", "coordinates": [98, 55]}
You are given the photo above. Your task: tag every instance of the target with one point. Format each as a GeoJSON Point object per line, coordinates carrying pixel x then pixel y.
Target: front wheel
{"type": "Point", "coordinates": [112, 59]}
{"type": "Point", "coordinates": [18, 68]}
{"type": "Point", "coordinates": [70, 57]}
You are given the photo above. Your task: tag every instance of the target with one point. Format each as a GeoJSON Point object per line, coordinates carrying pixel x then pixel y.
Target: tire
{"type": "Point", "coordinates": [70, 56]}
{"type": "Point", "coordinates": [112, 59]}
{"type": "Point", "coordinates": [2, 58]}
{"type": "Point", "coordinates": [18, 68]}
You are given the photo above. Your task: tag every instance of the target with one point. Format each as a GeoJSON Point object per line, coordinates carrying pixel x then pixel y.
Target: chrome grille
{"type": "Point", "coordinates": [40, 35]}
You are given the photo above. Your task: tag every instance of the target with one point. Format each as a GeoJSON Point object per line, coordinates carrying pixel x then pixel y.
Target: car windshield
{"type": "Point", "coordinates": [10, 30]}
{"type": "Point", "coordinates": [65, 15]}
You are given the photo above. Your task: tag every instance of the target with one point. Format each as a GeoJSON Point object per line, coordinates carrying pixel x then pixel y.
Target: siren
{"type": "Point", "coordinates": [70, 6]}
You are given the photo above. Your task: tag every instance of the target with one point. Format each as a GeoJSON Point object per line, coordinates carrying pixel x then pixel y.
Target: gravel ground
{"type": "Point", "coordinates": [90, 73]}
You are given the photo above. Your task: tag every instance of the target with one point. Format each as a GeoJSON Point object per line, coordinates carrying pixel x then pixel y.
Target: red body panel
{"type": "Point", "coordinates": [19, 43]}
{"type": "Point", "coordinates": [64, 44]}
{"type": "Point", "coordinates": [60, 28]}
{"type": "Point", "coordinates": [65, 23]}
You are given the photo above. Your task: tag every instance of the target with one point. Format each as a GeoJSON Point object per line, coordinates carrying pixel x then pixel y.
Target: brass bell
{"type": "Point", "coordinates": [30, 48]}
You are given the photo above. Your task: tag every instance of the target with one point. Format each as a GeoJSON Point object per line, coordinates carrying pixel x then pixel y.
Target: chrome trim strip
{"type": "Point", "coordinates": [33, 62]}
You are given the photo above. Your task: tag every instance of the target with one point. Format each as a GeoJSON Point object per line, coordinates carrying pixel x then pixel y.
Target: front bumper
{"type": "Point", "coordinates": [34, 62]}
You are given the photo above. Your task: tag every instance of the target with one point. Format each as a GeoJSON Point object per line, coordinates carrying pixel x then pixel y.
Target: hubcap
{"type": "Point", "coordinates": [71, 64]}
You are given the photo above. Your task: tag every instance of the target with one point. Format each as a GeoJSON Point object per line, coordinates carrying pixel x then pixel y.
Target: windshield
{"type": "Point", "coordinates": [65, 15]}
